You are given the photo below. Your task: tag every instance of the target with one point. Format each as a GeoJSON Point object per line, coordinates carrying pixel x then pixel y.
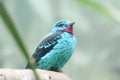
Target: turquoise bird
{"type": "Point", "coordinates": [56, 48]}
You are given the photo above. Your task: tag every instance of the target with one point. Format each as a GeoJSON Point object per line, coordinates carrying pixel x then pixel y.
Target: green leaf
{"type": "Point", "coordinates": [12, 29]}
{"type": "Point", "coordinates": [101, 9]}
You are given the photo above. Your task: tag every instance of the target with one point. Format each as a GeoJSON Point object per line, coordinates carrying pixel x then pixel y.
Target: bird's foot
{"type": "Point", "coordinates": [59, 71]}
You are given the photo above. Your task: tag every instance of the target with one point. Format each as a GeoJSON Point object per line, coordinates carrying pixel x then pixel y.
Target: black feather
{"type": "Point", "coordinates": [46, 46]}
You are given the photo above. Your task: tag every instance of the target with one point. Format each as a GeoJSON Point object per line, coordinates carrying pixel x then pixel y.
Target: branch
{"type": "Point", "coordinates": [27, 74]}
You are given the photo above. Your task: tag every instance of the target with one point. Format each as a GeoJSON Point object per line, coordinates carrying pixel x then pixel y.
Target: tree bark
{"type": "Point", "coordinates": [27, 74]}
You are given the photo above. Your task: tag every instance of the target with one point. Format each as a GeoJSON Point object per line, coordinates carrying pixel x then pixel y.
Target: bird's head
{"type": "Point", "coordinates": [64, 25]}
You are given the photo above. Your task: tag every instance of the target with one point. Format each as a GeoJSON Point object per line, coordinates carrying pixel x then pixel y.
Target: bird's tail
{"type": "Point", "coordinates": [30, 67]}
{"type": "Point", "coordinates": [27, 67]}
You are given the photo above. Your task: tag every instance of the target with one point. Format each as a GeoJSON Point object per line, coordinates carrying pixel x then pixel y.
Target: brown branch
{"type": "Point", "coordinates": [27, 74]}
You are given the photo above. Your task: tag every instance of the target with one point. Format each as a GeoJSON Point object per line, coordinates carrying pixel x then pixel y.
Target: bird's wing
{"type": "Point", "coordinates": [46, 45]}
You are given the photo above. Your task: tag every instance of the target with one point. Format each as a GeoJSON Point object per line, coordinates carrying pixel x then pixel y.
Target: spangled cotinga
{"type": "Point", "coordinates": [56, 48]}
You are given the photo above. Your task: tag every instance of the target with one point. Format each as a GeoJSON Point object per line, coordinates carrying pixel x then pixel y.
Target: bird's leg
{"type": "Point", "coordinates": [59, 71]}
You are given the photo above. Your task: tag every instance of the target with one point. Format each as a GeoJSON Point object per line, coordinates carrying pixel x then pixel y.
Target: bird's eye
{"type": "Point", "coordinates": [61, 25]}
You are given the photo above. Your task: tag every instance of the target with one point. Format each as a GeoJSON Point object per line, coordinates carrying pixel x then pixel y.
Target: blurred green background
{"type": "Point", "coordinates": [97, 30]}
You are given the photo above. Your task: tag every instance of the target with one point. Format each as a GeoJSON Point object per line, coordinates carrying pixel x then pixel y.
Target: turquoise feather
{"type": "Point", "coordinates": [56, 48]}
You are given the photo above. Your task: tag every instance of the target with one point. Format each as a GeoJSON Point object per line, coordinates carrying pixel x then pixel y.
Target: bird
{"type": "Point", "coordinates": [56, 48]}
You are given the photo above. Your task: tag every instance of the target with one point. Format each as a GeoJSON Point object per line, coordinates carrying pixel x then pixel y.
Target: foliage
{"type": "Point", "coordinates": [11, 27]}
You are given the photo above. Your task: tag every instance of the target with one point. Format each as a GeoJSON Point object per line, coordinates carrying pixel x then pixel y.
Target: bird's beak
{"type": "Point", "coordinates": [70, 28]}
{"type": "Point", "coordinates": [71, 24]}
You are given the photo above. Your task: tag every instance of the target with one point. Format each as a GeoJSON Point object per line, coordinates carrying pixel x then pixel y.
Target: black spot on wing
{"type": "Point", "coordinates": [46, 46]}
